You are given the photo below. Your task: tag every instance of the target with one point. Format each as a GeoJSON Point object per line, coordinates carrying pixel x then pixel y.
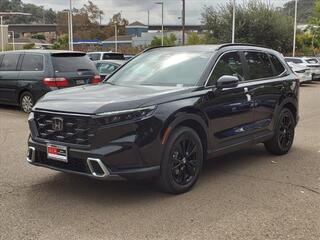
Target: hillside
{"type": "Point", "coordinates": [305, 9]}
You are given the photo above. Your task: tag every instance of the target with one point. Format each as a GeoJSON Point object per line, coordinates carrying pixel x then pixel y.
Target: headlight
{"type": "Point", "coordinates": [125, 115]}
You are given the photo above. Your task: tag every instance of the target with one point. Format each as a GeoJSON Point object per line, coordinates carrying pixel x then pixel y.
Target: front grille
{"type": "Point", "coordinates": [69, 129]}
{"type": "Point", "coordinates": [73, 164]}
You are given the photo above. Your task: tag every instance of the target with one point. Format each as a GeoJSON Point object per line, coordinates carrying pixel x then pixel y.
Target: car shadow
{"type": "Point", "coordinates": [125, 192]}
{"type": "Point", "coordinates": [9, 107]}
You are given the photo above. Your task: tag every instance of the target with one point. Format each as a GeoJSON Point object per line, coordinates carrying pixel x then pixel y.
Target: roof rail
{"type": "Point", "coordinates": [151, 48]}
{"type": "Point", "coordinates": [240, 44]}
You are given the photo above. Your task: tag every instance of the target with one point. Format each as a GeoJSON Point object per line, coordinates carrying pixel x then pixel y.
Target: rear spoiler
{"type": "Point", "coordinates": [68, 54]}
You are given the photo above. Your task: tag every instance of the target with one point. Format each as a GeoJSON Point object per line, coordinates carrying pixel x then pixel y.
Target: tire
{"type": "Point", "coordinates": [282, 140]}
{"type": "Point", "coordinates": [26, 102]}
{"type": "Point", "coordinates": [180, 169]}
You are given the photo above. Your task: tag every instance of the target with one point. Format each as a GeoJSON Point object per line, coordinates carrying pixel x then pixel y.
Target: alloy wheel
{"type": "Point", "coordinates": [26, 103]}
{"type": "Point", "coordinates": [185, 165]}
{"type": "Point", "coordinates": [286, 131]}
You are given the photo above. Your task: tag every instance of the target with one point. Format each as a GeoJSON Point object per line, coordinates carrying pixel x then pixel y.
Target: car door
{"type": "Point", "coordinates": [265, 73]}
{"type": "Point", "coordinates": [9, 77]}
{"type": "Point", "coordinates": [229, 110]}
{"type": "Point", "coordinates": [32, 72]}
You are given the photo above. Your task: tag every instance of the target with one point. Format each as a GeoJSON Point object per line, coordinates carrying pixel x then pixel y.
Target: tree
{"type": "Point", "coordinates": [62, 43]}
{"type": "Point", "coordinates": [92, 11]}
{"type": "Point", "coordinates": [195, 39]}
{"type": "Point", "coordinates": [256, 23]}
{"type": "Point", "coordinates": [167, 41]}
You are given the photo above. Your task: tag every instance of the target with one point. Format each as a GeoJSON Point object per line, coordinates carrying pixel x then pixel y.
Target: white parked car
{"type": "Point", "coordinates": [311, 63]}
{"type": "Point", "coordinates": [304, 74]}
{"type": "Point", "coordinates": [97, 56]}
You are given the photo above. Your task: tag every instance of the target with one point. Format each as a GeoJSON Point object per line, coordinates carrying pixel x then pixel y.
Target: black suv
{"type": "Point", "coordinates": [166, 111]}
{"type": "Point", "coordinates": [25, 76]}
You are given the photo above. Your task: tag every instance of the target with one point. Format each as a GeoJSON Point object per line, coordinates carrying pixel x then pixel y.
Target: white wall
{"type": "Point", "coordinates": [5, 36]}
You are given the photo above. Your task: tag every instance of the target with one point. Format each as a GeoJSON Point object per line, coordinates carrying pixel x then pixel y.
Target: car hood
{"type": "Point", "coordinates": [95, 99]}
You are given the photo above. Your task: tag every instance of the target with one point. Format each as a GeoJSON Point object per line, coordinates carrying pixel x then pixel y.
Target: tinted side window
{"type": "Point", "coordinates": [32, 62]}
{"type": "Point", "coordinates": [116, 56]}
{"type": "Point", "coordinates": [228, 64]}
{"type": "Point", "coordinates": [294, 60]}
{"type": "Point", "coordinates": [277, 65]}
{"type": "Point", "coordinates": [94, 56]}
{"type": "Point", "coordinates": [1, 57]}
{"type": "Point", "coordinates": [9, 62]}
{"type": "Point", "coordinates": [259, 65]}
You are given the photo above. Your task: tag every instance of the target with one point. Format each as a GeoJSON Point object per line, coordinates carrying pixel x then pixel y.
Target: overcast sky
{"type": "Point", "coordinates": [137, 9]}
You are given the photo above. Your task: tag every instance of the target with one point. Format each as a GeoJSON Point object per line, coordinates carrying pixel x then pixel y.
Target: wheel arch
{"type": "Point", "coordinates": [188, 117]}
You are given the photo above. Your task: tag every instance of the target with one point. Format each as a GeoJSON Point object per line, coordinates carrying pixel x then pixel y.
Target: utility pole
{"type": "Point", "coordinates": [183, 21]}
{"type": "Point", "coordinates": [295, 28]}
{"type": "Point", "coordinates": [116, 36]}
{"type": "Point", "coordinates": [71, 27]}
{"type": "Point", "coordinates": [148, 18]}
{"type": "Point", "coordinates": [233, 20]}
{"type": "Point", "coordinates": [162, 28]}
{"type": "Point", "coordinates": [2, 38]}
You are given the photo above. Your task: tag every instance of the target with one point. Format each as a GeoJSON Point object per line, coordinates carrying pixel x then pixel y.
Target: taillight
{"type": "Point", "coordinates": [56, 82]}
{"type": "Point", "coordinates": [62, 82]}
{"type": "Point", "coordinates": [95, 79]}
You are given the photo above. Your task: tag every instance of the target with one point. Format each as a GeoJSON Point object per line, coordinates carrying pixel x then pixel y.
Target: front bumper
{"type": "Point", "coordinates": [87, 163]}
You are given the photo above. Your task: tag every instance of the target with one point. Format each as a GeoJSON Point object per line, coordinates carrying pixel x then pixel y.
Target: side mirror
{"type": "Point", "coordinates": [227, 81]}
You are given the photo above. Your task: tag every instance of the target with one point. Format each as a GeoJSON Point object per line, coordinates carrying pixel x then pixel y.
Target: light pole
{"type": "Point", "coordinates": [183, 21]}
{"type": "Point", "coordinates": [233, 20]}
{"type": "Point", "coordinates": [2, 38]}
{"type": "Point", "coordinates": [295, 28]}
{"type": "Point", "coordinates": [69, 35]}
{"type": "Point", "coordinates": [116, 36]}
{"type": "Point", "coordinates": [162, 33]}
{"type": "Point", "coordinates": [13, 44]}
{"type": "Point", "coordinates": [71, 27]}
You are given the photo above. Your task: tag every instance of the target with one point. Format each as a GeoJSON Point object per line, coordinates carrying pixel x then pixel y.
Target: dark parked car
{"type": "Point", "coordinates": [107, 67]}
{"type": "Point", "coordinates": [166, 111]}
{"type": "Point", "coordinates": [25, 76]}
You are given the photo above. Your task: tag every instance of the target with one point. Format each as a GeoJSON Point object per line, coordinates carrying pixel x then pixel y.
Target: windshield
{"type": "Point", "coordinates": [163, 67]}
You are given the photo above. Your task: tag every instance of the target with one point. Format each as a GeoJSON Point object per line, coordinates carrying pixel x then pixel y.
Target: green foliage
{"type": "Point", "coordinates": [38, 36]}
{"type": "Point", "coordinates": [256, 23]}
{"type": "Point", "coordinates": [195, 39]}
{"type": "Point", "coordinates": [62, 43]}
{"type": "Point", "coordinates": [29, 46]}
{"type": "Point", "coordinates": [167, 41]}
{"type": "Point", "coordinates": [39, 14]}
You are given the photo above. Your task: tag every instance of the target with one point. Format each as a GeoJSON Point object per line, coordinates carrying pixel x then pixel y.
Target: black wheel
{"type": "Point", "coordinates": [182, 161]}
{"type": "Point", "coordinates": [283, 138]}
{"type": "Point", "coordinates": [26, 102]}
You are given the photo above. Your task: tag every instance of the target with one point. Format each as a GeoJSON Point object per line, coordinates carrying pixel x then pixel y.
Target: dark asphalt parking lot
{"type": "Point", "coordinates": [245, 195]}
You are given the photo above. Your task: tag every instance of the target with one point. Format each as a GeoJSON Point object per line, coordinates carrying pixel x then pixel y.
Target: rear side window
{"type": "Point", "coordinates": [32, 62]}
{"type": "Point", "coordinates": [106, 68]}
{"type": "Point", "coordinates": [1, 57]}
{"type": "Point", "coordinates": [259, 65]}
{"type": "Point", "coordinates": [228, 64]}
{"type": "Point", "coordinates": [114, 56]}
{"type": "Point", "coordinates": [94, 56]}
{"type": "Point", "coordinates": [72, 63]}
{"type": "Point", "coordinates": [312, 61]}
{"type": "Point", "coordinates": [294, 60]}
{"type": "Point", "coordinates": [9, 62]}
{"type": "Point", "coordinates": [279, 68]}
